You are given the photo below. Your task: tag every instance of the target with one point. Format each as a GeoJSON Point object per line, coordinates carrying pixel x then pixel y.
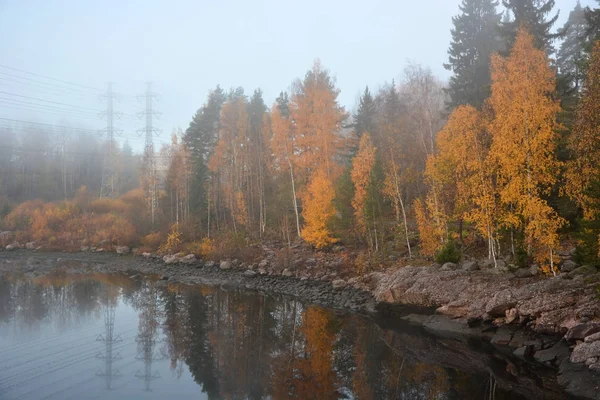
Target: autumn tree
{"type": "Point", "coordinates": [523, 133]}
{"type": "Point", "coordinates": [318, 209]}
{"type": "Point", "coordinates": [583, 168]}
{"type": "Point", "coordinates": [466, 174]}
{"type": "Point", "coordinates": [362, 174]}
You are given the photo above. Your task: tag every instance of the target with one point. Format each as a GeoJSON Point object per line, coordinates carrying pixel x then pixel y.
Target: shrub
{"type": "Point", "coordinates": [448, 253]}
{"type": "Point", "coordinates": [152, 240]}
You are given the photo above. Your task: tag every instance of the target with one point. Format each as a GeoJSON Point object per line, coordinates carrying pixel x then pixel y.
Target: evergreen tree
{"type": "Point", "coordinates": [532, 15]}
{"type": "Point", "coordinates": [571, 55]}
{"type": "Point", "coordinates": [200, 138]}
{"type": "Point", "coordinates": [592, 16]}
{"type": "Point", "coordinates": [474, 39]}
{"type": "Point", "coordinates": [364, 118]}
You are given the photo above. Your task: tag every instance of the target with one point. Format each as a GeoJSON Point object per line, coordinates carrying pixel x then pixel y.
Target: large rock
{"type": "Point", "coordinates": [209, 264]}
{"type": "Point", "coordinates": [581, 331]}
{"type": "Point", "coordinates": [338, 284]}
{"type": "Point", "coordinates": [146, 255]}
{"type": "Point", "coordinates": [449, 266]}
{"type": "Point", "coordinates": [583, 270]}
{"type": "Point", "coordinates": [502, 337]}
{"type": "Point", "coordinates": [470, 266]}
{"type": "Point", "coordinates": [592, 338]}
{"type": "Point", "coordinates": [123, 250]}
{"type": "Point", "coordinates": [523, 273]}
{"type": "Point", "coordinates": [225, 265]}
{"type": "Point", "coordinates": [287, 272]}
{"type": "Point", "coordinates": [170, 259]}
{"type": "Point", "coordinates": [583, 351]}
{"type": "Point", "coordinates": [189, 259]}
{"type": "Point", "coordinates": [249, 274]}
{"type": "Point", "coordinates": [30, 245]}
{"type": "Point", "coordinates": [84, 249]}
{"type": "Point", "coordinates": [264, 263]}
{"type": "Point", "coordinates": [500, 303]}
{"type": "Point", "coordinates": [568, 266]}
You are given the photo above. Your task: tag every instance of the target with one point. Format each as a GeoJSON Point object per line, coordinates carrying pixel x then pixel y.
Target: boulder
{"type": "Point", "coordinates": [99, 250]}
{"type": "Point", "coordinates": [262, 271]}
{"type": "Point", "coordinates": [311, 262]}
{"type": "Point", "coordinates": [122, 250]}
{"type": "Point", "coordinates": [189, 259]}
{"type": "Point", "coordinates": [583, 351]}
{"type": "Point", "coordinates": [592, 338]}
{"type": "Point", "coordinates": [470, 266]}
{"type": "Point", "coordinates": [568, 266]}
{"type": "Point", "coordinates": [286, 272]}
{"type": "Point", "coordinates": [209, 264]}
{"type": "Point", "coordinates": [581, 331]}
{"type": "Point", "coordinates": [523, 352]}
{"type": "Point", "coordinates": [502, 337]}
{"type": "Point", "coordinates": [30, 246]}
{"type": "Point", "coordinates": [523, 273]}
{"type": "Point", "coordinates": [449, 266]}
{"type": "Point", "coordinates": [249, 273]}
{"type": "Point", "coordinates": [554, 353]}
{"type": "Point", "coordinates": [170, 259]}
{"type": "Point", "coordinates": [225, 265]}
{"type": "Point", "coordinates": [500, 303]}
{"type": "Point", "coordinates": [11, 247]}
{"type": "Point", "coordinates": [84, 248]}
{"type": "Point", "coordinates": [583, 270]}
{"type": "Point", "coordinates": [338, 284]}
{"type": "Point", "coordinates": [264, 263]}
{"type": "Point", "coordinates": [146, 255]}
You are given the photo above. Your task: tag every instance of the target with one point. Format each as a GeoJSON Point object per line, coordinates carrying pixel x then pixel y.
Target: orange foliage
{"type": "Point", "coordinates": [318, 209]}
{"type": "Point", "coordinates": [362, 169]}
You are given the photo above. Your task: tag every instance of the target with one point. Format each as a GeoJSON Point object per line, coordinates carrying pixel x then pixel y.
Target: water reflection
{"type": "Point", "coordinates": [161, 340]}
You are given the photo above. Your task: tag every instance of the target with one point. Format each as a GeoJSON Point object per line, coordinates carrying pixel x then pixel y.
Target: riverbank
{"type": "Point", "coordinates": [542, 321]}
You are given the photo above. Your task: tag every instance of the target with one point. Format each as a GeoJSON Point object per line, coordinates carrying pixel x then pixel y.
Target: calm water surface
{"type": "Point", "coordinates": [110, 337]}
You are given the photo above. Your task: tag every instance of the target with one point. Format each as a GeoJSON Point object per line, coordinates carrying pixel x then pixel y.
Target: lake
{"type": "Point", "coordinates": [113, 337]}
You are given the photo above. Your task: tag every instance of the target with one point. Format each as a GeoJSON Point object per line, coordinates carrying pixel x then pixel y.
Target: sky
{"type": "Point", "coordinates": [187, 47]}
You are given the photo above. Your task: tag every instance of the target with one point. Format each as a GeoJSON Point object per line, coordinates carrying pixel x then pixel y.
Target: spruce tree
{"type": "Point", "coordinates": [474, 39]}
{"type": "Point", "coordinates": [571, 55]}
{"type": "Point", "coordinates": [532, 15]}
{"type": "Point", "coordinates": [200, 138]}
{"type": "Point", "coordinates": [592, 16]}
{"type": "Point", "coordinates": [364, 118]}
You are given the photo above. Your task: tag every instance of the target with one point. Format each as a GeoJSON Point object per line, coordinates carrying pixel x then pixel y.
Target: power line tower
{"type": "Point", "coordinates": [149, 176]}
{"type": "Point", "coordinates": [149, 320]}
{"type": "Point", "coordinates": [109, 184]}
{"type": "Point", "coordinates": [109, 338]}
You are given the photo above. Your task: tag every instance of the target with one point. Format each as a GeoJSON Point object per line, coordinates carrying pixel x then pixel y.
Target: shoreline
{"type": "Point", "coordinates": [516, 340]}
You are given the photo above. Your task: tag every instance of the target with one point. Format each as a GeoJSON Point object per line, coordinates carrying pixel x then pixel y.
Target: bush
{"type": "Point", "coordinates": [448, 253]}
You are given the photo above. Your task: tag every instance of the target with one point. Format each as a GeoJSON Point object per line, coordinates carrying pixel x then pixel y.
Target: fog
{"type": "Point", "coordinates": [188, 47]}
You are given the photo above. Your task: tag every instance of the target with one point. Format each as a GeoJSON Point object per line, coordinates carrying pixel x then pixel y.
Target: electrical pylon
{"type": "Point", "coordinates": [109, 184]}
{"type": "Point", "coordinates": [109, 339]}
{"type": "Point", "coordinates": [149, 178]}
{"type": "Point", "coordinates": [149, 321]}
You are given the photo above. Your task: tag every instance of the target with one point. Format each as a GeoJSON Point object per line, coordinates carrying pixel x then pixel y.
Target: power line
{"type": "Point", "coordinates": [49, 125]}
{"type": "Point", "coordinates": [50, 101]}
{"type": "Point", "coordinates": [29, 81]}
{"type": "Point", "coordinates": [47, 77]}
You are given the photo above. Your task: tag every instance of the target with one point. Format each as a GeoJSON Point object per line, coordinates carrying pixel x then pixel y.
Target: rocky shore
{"type": "Point", "coordinates": [550, 322]}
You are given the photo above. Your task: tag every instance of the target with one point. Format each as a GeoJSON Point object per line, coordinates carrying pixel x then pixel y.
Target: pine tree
{"type": "Point", "coordinates": [523, 144]}
{"type": "Point", "coordinates": [364, 118]}
{"type": "Point", "coordinates": [474, 39]}
{"type": "Point", "coordinates": [532, 15]}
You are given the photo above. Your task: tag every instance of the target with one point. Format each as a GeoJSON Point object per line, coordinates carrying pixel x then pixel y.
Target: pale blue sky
{"type": "Point", "coordinates": [187, 47]}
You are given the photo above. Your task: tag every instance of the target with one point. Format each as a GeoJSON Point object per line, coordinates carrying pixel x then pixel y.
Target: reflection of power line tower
{"type": "Point", "coordinates": [109, 339]}
{"type": "Point", "coordinates": [150, 180]}
{"type": "Point", "coordinates": [109, 188]}
{"type": "Point", "coordinates": [147, 336]}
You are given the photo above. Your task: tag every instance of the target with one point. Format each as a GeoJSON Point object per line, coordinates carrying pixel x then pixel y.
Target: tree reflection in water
{"type": "Point", "coordinates": [244, 345]}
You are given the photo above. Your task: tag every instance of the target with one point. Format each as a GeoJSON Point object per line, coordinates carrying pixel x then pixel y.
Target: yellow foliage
{"type": "Point", "coordinates": [152, 240]}
{"type": "Point", "coordinates": [173, 241]}
{"type": "Point", "coordinates": [523, 142]}
{"type": "Point", "coordinates": [317, 210]}
{"type": "Point", "coordinates": [428, 233]}
{"type": "Point", "coordinates": [362, 169]}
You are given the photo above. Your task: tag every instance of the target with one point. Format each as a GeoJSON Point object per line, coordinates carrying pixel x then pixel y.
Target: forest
{"type": "Point", "coordinates": [503, 159]}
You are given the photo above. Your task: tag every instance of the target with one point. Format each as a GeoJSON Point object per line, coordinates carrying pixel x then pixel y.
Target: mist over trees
{"type": "Point", "coordinates": [499, 158]}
